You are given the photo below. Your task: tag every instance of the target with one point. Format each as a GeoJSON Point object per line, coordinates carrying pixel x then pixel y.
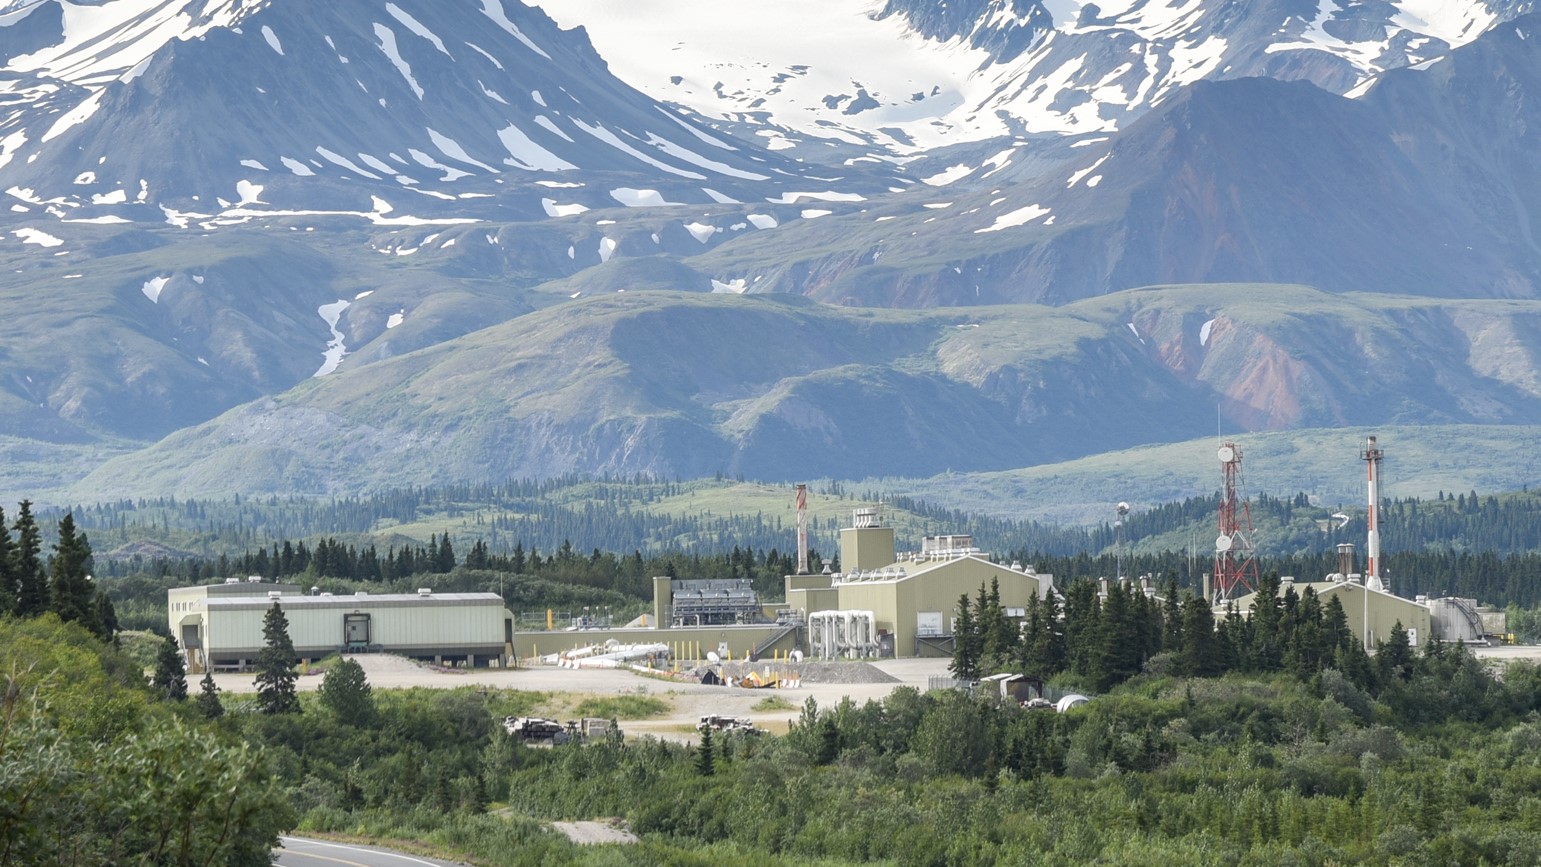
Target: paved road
{"type": "Point", "coordinates": [303, 852]}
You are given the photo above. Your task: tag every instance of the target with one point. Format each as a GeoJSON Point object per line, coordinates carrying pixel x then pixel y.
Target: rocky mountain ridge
{"type": "Point", "coordinates": [258, 234]}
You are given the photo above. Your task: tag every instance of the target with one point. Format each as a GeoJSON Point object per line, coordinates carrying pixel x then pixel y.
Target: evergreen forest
{"type": "Point", "coordinates": [1273, 739]}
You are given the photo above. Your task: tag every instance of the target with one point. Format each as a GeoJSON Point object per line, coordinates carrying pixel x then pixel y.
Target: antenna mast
{"type": "Point", "coordinates": [1234, 563]}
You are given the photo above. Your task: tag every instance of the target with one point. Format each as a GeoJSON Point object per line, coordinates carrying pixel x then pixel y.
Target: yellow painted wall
{"type": "Point", "coordinates": [896, 604]}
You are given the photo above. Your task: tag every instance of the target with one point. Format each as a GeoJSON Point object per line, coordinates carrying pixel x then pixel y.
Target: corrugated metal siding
{"type": "Point", "coordinates": [431, 623]}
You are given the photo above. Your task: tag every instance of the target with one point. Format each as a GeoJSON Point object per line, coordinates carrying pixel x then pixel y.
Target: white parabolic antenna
{"type": "Point", "coordinates": [711, 656]}
{"type": "Point", "coordinates": [1227, 454]}
{"type": "Point", "coordinates": [797, 656]}
{"type": "Point", "coordinates": [1223, 543]}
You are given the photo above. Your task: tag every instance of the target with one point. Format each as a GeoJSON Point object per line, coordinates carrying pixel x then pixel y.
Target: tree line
{"type": "Point", "coordinates": [1102, 636]}
{"type": "Point", "coordinates": [61, 584]}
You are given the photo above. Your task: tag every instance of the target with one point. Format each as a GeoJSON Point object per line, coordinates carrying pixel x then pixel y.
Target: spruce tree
{"type": "Point", "coordinates": [1171, 617]}
{"type": "Point", "coordinates": [965, 643]}
{"type": "Point", "coordinates": [705, 763]}
{"type": "Point", "coordinates": [1200, 655]}
{"type": "Point", "coordinates": [209, 704]}
{"type": "Point", "coordinates": [1051, 647]}
{"type": "Point", "coordinates": [31, 583]}
{"type": "Point", "coordinates": [1394, 656]}
{"type": "Point", "coordinates": [170, 679]}
{"type": "Point", "coordinates": [275, 665]}
{"type": "Point", "coordinates": [105, 617]}
{"type": "Point", "coordinates": [1081, 622]}
{"type": "Point", "coordinates": [1265, 651]}
{"type": "Point", "coordinates": [71, 595]}
{"type": "Point", "coordinates": [8, 588]}
{"type": "Point", "coordinates": [346, 691]}
{"type": "Point", "coordinates": [1120, 641]}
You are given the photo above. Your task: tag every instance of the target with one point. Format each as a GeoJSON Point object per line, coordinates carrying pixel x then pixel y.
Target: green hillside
{"type": "Point", "coordinates": [684, 385]}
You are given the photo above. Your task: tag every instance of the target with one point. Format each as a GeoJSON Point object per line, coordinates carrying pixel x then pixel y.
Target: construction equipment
{"type": "Point", "coordinates": [537, 732]}
{"type": "Point", "coordinates": [718, 723]}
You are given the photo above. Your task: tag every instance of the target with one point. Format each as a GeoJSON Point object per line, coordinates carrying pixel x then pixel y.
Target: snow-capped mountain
{"type": "Point", "coordinates": [270, 210]}
{"type": "Point", "coordinates": [1424, 184]}
{"type": "Point", "coordinates": [219, 111]}
{"type": "Point", "coordinates": [901, 76]}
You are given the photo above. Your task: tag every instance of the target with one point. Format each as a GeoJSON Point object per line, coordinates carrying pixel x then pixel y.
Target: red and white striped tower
{"type": "Point", "coordinates": [1372, 456]}
{"type": "Point", "coordinates": [1234, 566]}
{"type": "Point", "coordinates": [802, 529]}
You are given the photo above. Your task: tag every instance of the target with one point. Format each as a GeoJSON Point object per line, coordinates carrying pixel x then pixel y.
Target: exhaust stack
{"type": "Point", "coordinates": [802, 529]}
{"type": "Point", "coordinates": [1372, 455]}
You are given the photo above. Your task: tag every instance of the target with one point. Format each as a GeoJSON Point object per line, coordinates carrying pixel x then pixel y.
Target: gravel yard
{"type": "Point", "coordinates": [826, 682]}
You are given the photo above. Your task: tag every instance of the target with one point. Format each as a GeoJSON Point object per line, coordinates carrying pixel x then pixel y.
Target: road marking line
{"type": "Point", "coordinates": [379, 852]}
{"type": "Point", "coordinates": [310, 856]}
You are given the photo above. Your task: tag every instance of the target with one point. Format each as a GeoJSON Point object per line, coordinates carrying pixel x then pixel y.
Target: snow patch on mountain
{"type": "Point", "coordinates": [553, 209]}
{"type": "Point", "coordinates": [640, 198]}
{"type": "Point", "coordinates": [524, 153]}
{"type": "Point", "coordinates": [387, 38]}
{"type": "Point", "coordinates": [452, 149]}
{"type": "Point", "coordinates": [702, 232]}
{"type": "Point", "coordinates": [335, 348]}
{"type": "Point", "coordinates": [39, 237]}
{"type": "Point", "coordinates": [494, 9]}
{"type": "Point", "coordinates": [952, 173]}
{"type": "Point", "coordinates": [825, 196]}
{"type": "Point", "coordinates": [153, 287]}
{"type": "Point", "coordinates": [417, 27]}
{"type": "Point", "coordinates": [340, 160]}
{"type": "Point", "coordinates": [1018, 217]}
{"type": "Point", "coordinates": [296, 166]}
{"type": "Point", "coordinates": [600, 132]}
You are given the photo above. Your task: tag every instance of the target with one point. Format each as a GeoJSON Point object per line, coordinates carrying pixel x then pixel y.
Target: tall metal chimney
{"type": "Point", "coordinates": [1372, 457]}
{"type": "Point", "coordinates": [802, 529]}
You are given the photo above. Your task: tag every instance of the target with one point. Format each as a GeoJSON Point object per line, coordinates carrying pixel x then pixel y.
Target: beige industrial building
{"type": "Point", "coordinates": [882, 604]}
{"type": "Point", "coordinates": [913, 599]}
{"type": "Point", "coordinates": [1371, 613]}
{"type": "Point", "coordinates": [220, 625]}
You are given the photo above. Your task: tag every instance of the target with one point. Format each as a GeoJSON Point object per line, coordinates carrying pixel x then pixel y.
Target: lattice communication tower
{"type": "Point", "coordinates": [1234, 563]}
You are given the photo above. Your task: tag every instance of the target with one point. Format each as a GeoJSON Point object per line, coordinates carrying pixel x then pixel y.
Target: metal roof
{"type": "Point", "coordinates": [368, 600]}
{"type": "Point", "coordinates": [904, 570]}
{"type": "Point", "coordinates": [1322, 588]}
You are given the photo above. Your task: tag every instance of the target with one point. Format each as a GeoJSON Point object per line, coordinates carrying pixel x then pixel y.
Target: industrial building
{"type": "Point", "coordinates": [1371, 613]}
{"type": "Point", "coordinates": [220, 625]}
{"type": "Point", "coordinates": [881, 604]}
{"type": "Point", "coordinates": [901, 605]}
{"type": "Point", "coordinates": [1371, 608]}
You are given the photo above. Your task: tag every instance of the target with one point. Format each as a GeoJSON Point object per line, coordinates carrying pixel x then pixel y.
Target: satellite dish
{"type": "Point", "coordinates": [1223, 543]}
{"type": "Point", "coordinates": [711, 656]}
{"type": "Point", "coordinates": [1227, 454]}
{"type": "Point", "coordinates": [797, 656]}
{"type": "Point", "coordinates": [1123, 508]}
